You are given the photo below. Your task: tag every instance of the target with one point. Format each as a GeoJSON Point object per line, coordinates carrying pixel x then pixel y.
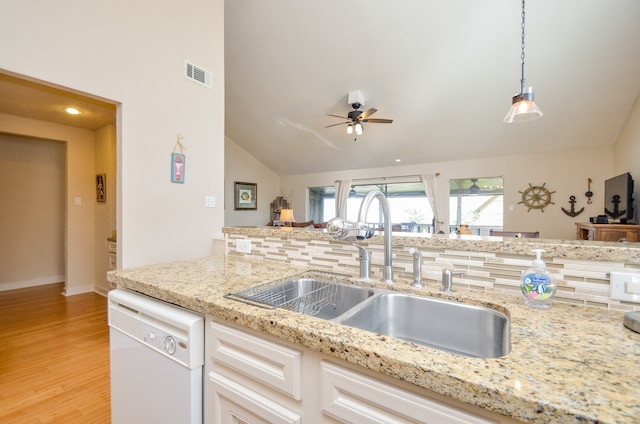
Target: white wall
{"type": "Point", "coordinates": [133, 54]}
{"type": "Point", "coordinates": [241, 166]}
{"type": "Point", "coordinates": [565, 173]}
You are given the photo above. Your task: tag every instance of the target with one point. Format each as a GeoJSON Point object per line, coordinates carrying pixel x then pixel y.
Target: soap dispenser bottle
{"type": "Point", "coordinates": [538, 286]}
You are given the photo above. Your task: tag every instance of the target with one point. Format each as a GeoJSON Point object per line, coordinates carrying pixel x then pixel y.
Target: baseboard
{"type": "Point", "coordinates": [32, 283]}
{"type": "Point", "coordinates": [77, 290]}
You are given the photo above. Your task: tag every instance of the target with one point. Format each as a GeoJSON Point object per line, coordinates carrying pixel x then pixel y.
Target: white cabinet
{"type": "Point", "coordinates": [352, 397]}
{"type": "Point", "coordinates": [250, 379]}
{"type": "Point", "coordinates": [253, 378]}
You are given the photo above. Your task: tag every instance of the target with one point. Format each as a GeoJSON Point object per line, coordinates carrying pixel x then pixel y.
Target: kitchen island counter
{"type": "Point", "coordinates": [567, 364]}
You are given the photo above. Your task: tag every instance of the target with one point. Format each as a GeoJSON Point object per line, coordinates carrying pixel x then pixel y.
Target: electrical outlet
{"type": "Point", "coordinates": [243, 246]}
{"type": "Point", "coordinates": [210, 201]}
{"type": "Point", "coordinates": [625, 286]}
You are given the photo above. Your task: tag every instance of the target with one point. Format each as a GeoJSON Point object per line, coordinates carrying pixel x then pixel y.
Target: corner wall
{"type": "Point", "coordinates": [133, 54]}
{"type": "Point", "coordinates": [241, 166]}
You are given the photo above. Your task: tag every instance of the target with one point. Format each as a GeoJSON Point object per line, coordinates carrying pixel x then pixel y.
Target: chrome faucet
{"type": "Point", "coordinates": [350, 232]}
{"type": "Point", "coordinates": [386, 211]}
{"type": "Point", "coordinates": [447, 279]}
{"type": "Point", "coordinates": [417, 268]}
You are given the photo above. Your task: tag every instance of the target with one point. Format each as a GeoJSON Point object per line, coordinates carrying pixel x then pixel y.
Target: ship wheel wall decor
{"type": "Point", "coordinates": [536, 197]}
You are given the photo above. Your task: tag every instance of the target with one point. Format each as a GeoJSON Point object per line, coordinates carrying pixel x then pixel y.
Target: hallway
{"type": "Point", "coordinates": [54, 357]}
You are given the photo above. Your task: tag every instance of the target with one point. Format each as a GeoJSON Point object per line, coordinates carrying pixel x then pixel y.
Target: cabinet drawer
{"type": "Point", "coordinates": [276, 366]}
{"type": "Point", "coordinates": [356, 398]}
{"type": "Point", "coordinates": [234, 403]}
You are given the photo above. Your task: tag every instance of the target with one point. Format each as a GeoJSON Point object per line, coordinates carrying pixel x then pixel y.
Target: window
{"type": "Point", "coordinates": [477, 202]}
{"type": "Point", "coordinates": [410, 210]}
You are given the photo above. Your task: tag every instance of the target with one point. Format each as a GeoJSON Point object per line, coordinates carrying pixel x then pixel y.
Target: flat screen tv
{"type": "Point", "coordinates": [618, 198]}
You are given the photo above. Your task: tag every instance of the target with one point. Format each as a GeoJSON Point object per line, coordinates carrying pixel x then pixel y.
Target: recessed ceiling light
{"type": "Point", "coordinates": [73, 111]}
{"type": "Point", "coordinates": [398, 160]}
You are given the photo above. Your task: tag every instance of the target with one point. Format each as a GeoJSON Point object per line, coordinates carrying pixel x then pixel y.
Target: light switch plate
{"type": "Point", "coordinates": [210, 201]}
{"type": "Point", "coordinates": [625, 286]}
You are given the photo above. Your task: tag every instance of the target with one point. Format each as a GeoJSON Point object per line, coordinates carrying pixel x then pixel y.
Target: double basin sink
{"type": "Point", "coordinates": [455, 327]}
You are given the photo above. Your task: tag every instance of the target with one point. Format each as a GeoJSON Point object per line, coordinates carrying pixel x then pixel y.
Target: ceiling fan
{"type": "Point", "coordinates": [355, 118]}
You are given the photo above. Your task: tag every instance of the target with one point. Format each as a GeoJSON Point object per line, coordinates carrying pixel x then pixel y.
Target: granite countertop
{"type": "Point", "coordinates": [567, 364]}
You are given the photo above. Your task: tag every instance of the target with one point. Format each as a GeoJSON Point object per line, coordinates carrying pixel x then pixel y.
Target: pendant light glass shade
{"type": "Point", "coordinates": [358, 128]}
{"type": "Point", "coordinates": [523, 108]}
{"type": "Point", "coordinates": [349, 129]}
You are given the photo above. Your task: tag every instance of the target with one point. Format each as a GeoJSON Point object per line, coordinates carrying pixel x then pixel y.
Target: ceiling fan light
{"type": "Point", "coordinates": [358, 128]}
{"type": "Point", "coordinates": [523, 108]}
{"type": "Point", "coordinates": [349, 129]}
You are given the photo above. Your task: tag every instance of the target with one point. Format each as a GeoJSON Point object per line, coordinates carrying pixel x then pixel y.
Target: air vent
{"type": "Point", "coordinates": [199, 75]}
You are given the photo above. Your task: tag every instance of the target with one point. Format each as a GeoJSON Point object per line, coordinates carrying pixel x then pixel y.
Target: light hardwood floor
{"type": "Point", "coordinates": [54, 357]}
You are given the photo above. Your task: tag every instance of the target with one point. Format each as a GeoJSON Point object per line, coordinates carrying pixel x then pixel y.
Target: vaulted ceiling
{"type": "Point", "coordinates": [444, 71]}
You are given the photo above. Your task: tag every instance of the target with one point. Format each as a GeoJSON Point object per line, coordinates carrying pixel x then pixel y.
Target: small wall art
{"type": "Point", "coordinates": [101, 188]}
{"type": "Point", "coordinates": [245, 196]}
{"type": "Point", "coordinates": [178, 162]}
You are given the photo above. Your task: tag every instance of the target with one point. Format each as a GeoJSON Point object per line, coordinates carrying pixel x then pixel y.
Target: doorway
{"type": "Point", "coordinates": [35, 110]}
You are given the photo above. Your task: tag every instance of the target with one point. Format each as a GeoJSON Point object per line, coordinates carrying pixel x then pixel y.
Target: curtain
{"type": "Point", "coordinates": [342, 194]}
{"type": "Point", "coordinates": [431, 190]}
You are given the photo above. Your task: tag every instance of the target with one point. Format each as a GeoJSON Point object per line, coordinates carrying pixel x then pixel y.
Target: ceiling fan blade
{"type": "Point", "coordinates": [367, 113]}
{"type": "Point", "coordinates": [337, 116]}
{"type": "Point", "coordinates": [340, 123]}
{"type": "Point", "coordinates": [378, 121]}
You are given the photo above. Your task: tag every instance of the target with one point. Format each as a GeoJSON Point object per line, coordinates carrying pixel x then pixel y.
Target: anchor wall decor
{"type": "Point", "coordinates": [617, 213]}
{"type": "Point", "coordinates": [573, 212]}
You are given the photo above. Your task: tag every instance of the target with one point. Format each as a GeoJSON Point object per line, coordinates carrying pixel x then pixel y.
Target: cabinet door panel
{"type": "Point", "coordinates": [279, 367]}
{"type": "Point", "coordinates": [355, 398]}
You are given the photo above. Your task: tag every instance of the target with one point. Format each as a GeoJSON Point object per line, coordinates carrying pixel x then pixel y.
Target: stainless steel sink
{"type": "Point", "coordinates": [461, 328]}
{"type": "Point", "coordinates": [312, 293]}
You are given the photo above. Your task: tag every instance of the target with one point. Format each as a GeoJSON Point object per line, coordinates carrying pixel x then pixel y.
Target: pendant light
{"type": "Point", "coordinates": [523, 108]}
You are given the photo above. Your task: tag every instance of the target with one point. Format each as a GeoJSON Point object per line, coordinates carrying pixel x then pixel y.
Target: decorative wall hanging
{"type": "Point", "coordinates": [589, 193]}
{"type": "Point", "coordinates": [178, 162]}
{"type": "Point", "coordinates": [101, 188]}
{"type": "Point", "coordinates": [536, 197]}
{"type": "Point", "coordinates": [245, 196]}
{"type": "Point", "coordinates": [572, 212]}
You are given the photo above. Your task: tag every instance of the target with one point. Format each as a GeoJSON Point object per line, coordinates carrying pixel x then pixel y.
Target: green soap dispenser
{"type": "Point", "coordinates": [538, 287]}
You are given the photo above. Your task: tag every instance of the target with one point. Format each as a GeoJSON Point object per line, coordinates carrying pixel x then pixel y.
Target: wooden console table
{"type": "Point", "coordinates": [607, 232]}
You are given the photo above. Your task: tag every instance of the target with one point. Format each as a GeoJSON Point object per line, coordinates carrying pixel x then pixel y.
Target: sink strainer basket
{"type": "Point", "coordinates": [306, 293]}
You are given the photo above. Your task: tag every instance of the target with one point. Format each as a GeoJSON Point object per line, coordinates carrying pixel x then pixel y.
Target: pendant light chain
{"type": "Point", "coordinates": [522, 51]}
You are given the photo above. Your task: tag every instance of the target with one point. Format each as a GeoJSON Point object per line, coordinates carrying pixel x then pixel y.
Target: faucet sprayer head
{"type": "Point", "coordinates": [349, 231]}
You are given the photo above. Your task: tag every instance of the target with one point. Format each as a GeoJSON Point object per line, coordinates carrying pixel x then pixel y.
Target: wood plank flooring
{"type": "Point", "coordinates": [54, 357]}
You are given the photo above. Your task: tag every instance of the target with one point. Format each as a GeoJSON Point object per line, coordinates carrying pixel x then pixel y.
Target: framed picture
{"type": "Point", "coordinates": [101, 187]}
{"type": "Point", "coordinates": [177, 168]}
{"type": "Point", "coordinates": [246, 196]}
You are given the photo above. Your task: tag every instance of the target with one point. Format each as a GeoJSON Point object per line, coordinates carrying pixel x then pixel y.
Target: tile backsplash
{"type": "Point", "coordinates": [581, 282]}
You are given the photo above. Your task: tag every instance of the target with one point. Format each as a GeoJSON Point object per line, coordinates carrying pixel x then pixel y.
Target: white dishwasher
{"type": "Point", "coordinates": [157, 356]}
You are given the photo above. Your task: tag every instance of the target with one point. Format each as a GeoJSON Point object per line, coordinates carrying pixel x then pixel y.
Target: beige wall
{"type": "Point", "coordinates": [105, 219]}
{"type": "Point", "coordinates": [32, 194]}
{"type": "Point", "coordinates": [565, 173]}
{"type": "Point", "coordinates": [627, 150]}
{"type": "Point", "coordinates": [240, 165]}
{"type": "Point", "coordinates": [132, 54]}
{"type": "Point", "coordinates": [80, 174]}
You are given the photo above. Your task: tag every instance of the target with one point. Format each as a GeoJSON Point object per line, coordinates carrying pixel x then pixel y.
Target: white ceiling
{"type": "Point", "coordinates": [444, 71]}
